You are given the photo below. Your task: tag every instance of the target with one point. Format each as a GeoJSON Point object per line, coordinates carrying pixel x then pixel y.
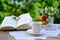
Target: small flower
{"type": "Point", "coordinates": [49, 13]}
{"type": "Point", "coordinates": [55, 11]}
{"type": "Point", "coordinates": [58, 16]}
{"type": "Point", "coordinates": [52, 9]}
{"type": "Point", "coordinates": [41, 10]}
{"type": "Point", "coordinates": [46, 9]}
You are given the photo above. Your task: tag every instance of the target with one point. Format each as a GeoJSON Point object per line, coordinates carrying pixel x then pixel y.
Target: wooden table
{"type": "Point", "coordinates": [4, 35]}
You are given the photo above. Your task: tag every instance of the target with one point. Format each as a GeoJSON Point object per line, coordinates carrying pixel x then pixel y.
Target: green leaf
{"type": "Point", "coordinates": [2, 1]}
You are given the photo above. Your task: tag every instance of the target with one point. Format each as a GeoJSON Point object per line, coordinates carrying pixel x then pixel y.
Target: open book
{"type": "Point", "coordinates": [21, 22]}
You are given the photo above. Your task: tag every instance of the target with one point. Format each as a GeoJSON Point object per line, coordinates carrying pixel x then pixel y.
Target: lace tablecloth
{"type": "Point", "coordinates": [53, 31]}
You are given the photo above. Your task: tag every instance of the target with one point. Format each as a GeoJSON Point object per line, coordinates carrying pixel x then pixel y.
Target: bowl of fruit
{"type": "Point", "coordinates": [43, 19]}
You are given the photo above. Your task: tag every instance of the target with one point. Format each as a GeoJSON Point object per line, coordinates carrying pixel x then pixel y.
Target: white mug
{"type": "Point", "coordinates": [36, 27]}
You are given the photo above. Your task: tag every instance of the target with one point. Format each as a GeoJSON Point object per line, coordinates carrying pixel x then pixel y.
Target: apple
{"type": "Point", "coordinates": [43, 17]}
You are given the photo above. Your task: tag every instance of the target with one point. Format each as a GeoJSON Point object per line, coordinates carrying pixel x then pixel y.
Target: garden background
{"type": "Point", "coordinates": [34, 7]}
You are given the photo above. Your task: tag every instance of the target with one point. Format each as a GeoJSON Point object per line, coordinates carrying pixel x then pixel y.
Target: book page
{"type": "Point", "coordinates": [24, 19]}
{"type": "Point", "coordinates": [8, 21]}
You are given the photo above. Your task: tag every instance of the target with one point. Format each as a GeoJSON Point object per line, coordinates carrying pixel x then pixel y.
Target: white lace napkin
{"type": "Point", "coordinates": [23, 35]}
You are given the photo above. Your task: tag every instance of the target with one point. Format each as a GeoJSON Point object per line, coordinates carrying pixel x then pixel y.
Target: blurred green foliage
{"type": "Point", "coordinates": [18, 7]}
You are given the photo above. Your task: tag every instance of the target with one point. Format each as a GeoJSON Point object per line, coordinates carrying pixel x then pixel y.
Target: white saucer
{"type": "Point", "coordinates": [30, 32]}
